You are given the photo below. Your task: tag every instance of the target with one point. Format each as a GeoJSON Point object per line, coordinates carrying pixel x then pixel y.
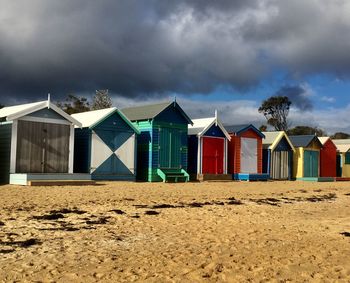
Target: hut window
{"type": "Point", "coordinates": [347, 158]}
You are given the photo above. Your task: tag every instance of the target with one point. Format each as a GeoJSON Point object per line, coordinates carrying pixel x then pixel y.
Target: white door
{"type": "Point", "coordinates": [249, 155]}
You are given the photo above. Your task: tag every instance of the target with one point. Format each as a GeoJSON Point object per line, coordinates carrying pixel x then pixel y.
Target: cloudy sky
{"type": "Point", "coordinates": [228, 54]}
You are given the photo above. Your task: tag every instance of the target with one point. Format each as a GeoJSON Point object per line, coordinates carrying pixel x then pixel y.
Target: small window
{"type": "Point", "coordinates": [347, 158]}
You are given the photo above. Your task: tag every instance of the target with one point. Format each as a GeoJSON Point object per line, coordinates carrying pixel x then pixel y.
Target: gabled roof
{"type": "Point", "coordinates": [201, 126]}
{"type": "Point", "coordinates": [323, 140]}
{"type": "Point", "coordinates": [18, 111]}
{"type": "Point", "coordinates": [342, 145]}
{"type": "Point", "coordinates": [303, 140]}
{"type": "Point", "coordinates": [237, 129]}
{"type": "Point", "coordinates": [272, 139]}
{"type": "Point", "coordinates": [151, 111]}
{"type": "Point", "coordinates": [90, 119]}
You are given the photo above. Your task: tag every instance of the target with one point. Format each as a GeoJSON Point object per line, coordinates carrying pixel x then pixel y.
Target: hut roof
{"type": "Point", "coordinates": [272, 139]}
{"type": "Point", "coordinates": [237, 129]}
{"type": "Point", "coordinates": [151, 111]}
{"type": "Point", "coordinates": [323, 140]}
{"type": "Point", "coordinates": [201, 126]}
{"type": "Point", "coordinates": [303, 140]}
{"type": "Point", "coordinates": [14, 112]}
{"type": "Point", "coordinates": [342, 145]}
{"type": "Point", "coordinates": [90, 119]}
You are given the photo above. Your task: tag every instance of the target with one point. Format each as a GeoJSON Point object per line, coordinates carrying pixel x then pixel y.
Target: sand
{"type": "Point", "coordinates": [195, 232]}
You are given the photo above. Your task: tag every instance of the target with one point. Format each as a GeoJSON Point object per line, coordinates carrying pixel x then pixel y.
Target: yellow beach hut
{"type": "Point", "coordinates": [306, 159]}
{"type": "Point", "coordinates": [343, 159]}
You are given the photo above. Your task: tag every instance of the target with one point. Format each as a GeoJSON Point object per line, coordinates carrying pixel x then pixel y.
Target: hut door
{"type": "Point", "coordinates": [30, 147]}
{"type": "Point", "coordinates": [42, 147]}
{"type": "Point", "coordinates": [213, 156]}
{"type": "Point", "coordinates": [249, 155]}
{"type": "Point", "coordinates": [280, 165]}
{"type": "Point", "coordinates": [311, 163]}
{"type": "Point", "coordinates": [170, 148]}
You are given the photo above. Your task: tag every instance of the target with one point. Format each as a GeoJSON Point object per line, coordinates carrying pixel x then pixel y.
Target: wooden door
{"type": "Point", "coordinates": [280, 165]}
{"type": "Point", "coordinates": [30, 147]}
{"type": "Point", "coordinates": [56, 150]}
{"type": "Point", "coordinates": [42, 147]}
{"type": "Point", "coordinates": [249, 155]}
{"type": "Point", "coordinates": [213, 155]}
{"type": "Point", "coordinates": [170, 144]}
{"type": "Point", "coordinates": [311, 163]}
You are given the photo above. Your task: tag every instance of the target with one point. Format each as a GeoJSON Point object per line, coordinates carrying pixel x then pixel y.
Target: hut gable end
{"type": "Point", "coordinates": [47, 114]}
{"type": "Point", "coordinates": [170, 115]}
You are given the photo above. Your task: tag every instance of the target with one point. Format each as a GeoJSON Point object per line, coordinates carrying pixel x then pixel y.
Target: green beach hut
{"type": "Point", "coordinates": [162, 143]}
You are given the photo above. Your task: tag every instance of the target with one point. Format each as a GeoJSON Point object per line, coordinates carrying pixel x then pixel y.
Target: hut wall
{"type": "Point", "coordinates": [82, 150]}
{"type": "Point", "coordinates": [113, 143]}
{"type": "Point", "coordinates": [5, 152]}
{"type": "Point", "coordinates": [345, 167]}
{"type": "Point", "coordinates": [328, 160]}
{"type": "Point", "coordinates": [193, 154]}
{"type": "Point", "coordinates": [298, 164]}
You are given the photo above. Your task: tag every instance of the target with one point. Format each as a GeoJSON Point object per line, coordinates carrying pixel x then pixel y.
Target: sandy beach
{"type": "Point", "coordinates": [194, 232]}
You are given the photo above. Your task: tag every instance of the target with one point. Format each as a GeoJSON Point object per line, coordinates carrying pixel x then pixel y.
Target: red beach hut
{"type": "Point", "coordinates": [328, 158]}
{"type": "Point", "coordinates": [245, 153]}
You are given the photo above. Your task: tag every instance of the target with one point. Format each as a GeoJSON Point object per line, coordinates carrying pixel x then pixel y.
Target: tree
{"type": "Point", "coordinates": [74, 104]}
{"type": "Point", "coordinates": [2, 106]}
{"type": "Point", "coordinates": [263, 128]}
{"type": "Point", "coordinates": [101, 100]}
{"type": "Point", "coordinates": [340, 135]}
{"type": "Point", "coordinates": [276, 110]}
{"type": "Point", "coordinates": [306, 130]}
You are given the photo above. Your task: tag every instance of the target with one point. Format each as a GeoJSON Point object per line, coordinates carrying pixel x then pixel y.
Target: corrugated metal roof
{"type": "Point", "coordinates": [342, 141]}
{"type": "Point", "coordinates": [236, 129]}
{"type": "Point", "coordinates": [302, 141]}
{"type": "Point", "coordinates": [17, 111]}
{"type": "Point", "coordinates": [12, 110]}
{"type": "Point", "coordinates": [342, 145]}
{"type": "Point", "coordinates": [92, 118]}
{"type": "Point", "coordinates": [200, 126]}
{"type": "Point", "coordinates": [272, 139]}
{"type": "Point", "coordinates": [323, 140]}
{"type": "Point", "coordinates": [89, 118]}
{"type": "Point", "coordinates": [145, 112]}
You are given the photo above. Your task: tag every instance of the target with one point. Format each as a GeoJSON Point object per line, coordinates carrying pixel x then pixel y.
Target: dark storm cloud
{"type": "Point", "coordinates": [157, 47]}
{"type": "Point", "coordinates": [298, 95]}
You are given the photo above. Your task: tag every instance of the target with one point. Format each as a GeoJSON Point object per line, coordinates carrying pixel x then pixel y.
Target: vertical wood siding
{"type": "Point", "coordinates": [5, 152]}
{"type": "Point", "coordinates": [328, 160]}
{"type": "Point", "coordinates": [42, 147]}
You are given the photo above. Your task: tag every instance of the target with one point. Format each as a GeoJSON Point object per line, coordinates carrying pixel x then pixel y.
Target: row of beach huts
{"type": "Point", "coordinates": [40, 143]}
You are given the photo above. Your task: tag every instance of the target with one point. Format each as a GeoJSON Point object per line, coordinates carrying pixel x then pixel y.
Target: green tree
{"type": "Point", "coordinates": [306, 130]}
{"type": "Point", "coordinates": [74, 104]}
{"type": "Point", "coordinates": [101, 100]}
{"type": "Point", "coordinates": [276, 110]}
{"type": "Point", "coordinates": [340, 135]}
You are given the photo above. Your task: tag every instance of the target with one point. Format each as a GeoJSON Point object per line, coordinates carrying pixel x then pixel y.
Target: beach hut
{"type": "Point", "coordinates": [207, 149]}
{"type": "Point", "coordinates": [37, 144]}
{"type": "Point", "coordinates": [328, 158]}
{"type": "Point", "coordinates": [306, 158]}
{"type": "Point", "coordinates": [278, 155]}
{"type": "Point", "coordinates": [343, 159]}
{"type": "Point", "coordinates": [162, 143]}
{"type": "Point", "coordinates": [105, 145]}
{"type": "Point", "coordinates": [245, 153]}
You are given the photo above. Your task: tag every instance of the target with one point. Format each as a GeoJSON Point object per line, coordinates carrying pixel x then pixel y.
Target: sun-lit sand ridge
{"type": "Point", "coordinates": [280, 231]}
